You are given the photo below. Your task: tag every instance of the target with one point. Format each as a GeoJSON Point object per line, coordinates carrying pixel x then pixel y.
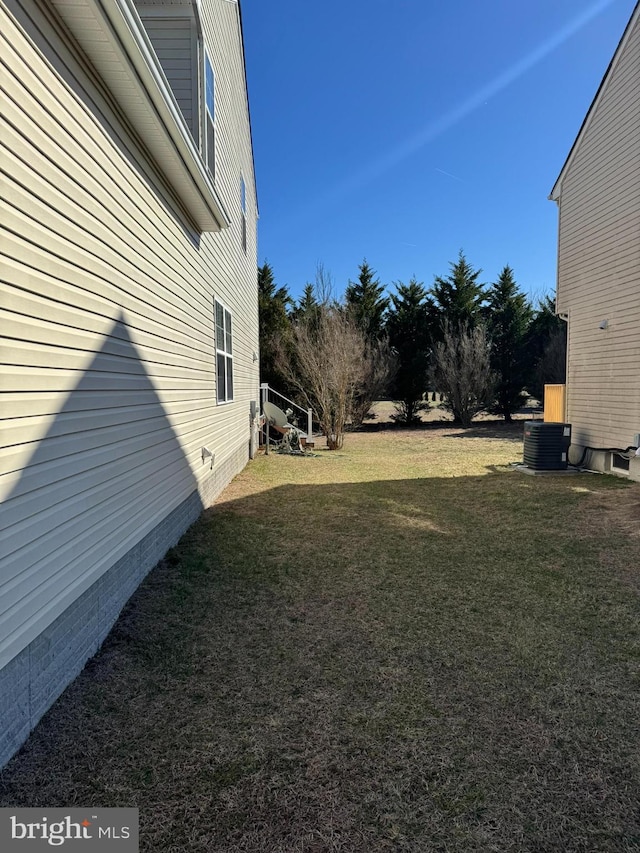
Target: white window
{"type": "Point", "coordinates": [210, 115]}
{"type": "Point", "coordinates": [224, 354]}
{"type": "Point", "coordinates": [243, 206]}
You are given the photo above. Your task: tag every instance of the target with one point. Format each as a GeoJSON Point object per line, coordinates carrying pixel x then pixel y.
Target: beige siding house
{"type": "Point", "coordinates": [598, 195]}
{"type": "Point", "coordinates": [128, 306]}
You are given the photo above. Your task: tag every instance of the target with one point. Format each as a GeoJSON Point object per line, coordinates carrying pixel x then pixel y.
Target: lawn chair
{"type": "Point", "coordinates": [289, 433]}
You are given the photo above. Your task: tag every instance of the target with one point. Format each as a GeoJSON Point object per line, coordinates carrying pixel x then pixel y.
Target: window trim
{"type": "Point", "coordinates": [226, 354]}
{"type": "Point", "coordinates": [208, 114]}
{"type": "Point", "coordinates": [243, 212]}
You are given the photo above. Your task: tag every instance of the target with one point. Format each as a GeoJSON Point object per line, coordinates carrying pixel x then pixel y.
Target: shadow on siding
{"type": "Point", "coordinates": [108, 471]}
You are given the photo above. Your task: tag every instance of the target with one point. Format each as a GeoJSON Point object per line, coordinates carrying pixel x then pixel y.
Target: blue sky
{"type": "Point", "coordinates": [405, 130]}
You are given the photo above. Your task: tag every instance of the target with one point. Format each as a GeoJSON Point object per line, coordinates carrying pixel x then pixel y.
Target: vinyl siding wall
{"type": "Point", "coordinates": [108, 385]}
{"type": "Point", "coordinates": [599, 262]}
{"type": "Point", "coordinates": [174, 41]}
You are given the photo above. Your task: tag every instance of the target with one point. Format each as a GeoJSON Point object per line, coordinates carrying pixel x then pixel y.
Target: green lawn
{"type": "Point", "coordinates": [401, 646]}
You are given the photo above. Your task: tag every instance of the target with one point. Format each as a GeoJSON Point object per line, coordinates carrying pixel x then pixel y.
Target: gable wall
{"type": "Point", "coordinates": [599, 263]}
{"type": "Point", "coordinates": [108, 385]}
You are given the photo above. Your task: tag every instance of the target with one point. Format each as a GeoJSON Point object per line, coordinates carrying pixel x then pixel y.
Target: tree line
{"type": "Point", "coordinates": [482, 347]}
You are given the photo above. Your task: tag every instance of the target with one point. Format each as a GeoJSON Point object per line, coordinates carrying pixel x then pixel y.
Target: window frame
{"type": "Point", "coordinates": [243, 212]}
{"type": "Point", "coordinates": [224, 353]}
{"type": "Point", "coordinates": [209, 115]}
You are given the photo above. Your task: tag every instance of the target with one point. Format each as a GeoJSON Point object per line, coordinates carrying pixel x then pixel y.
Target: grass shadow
{"type": "Point", "coordinates": [410, 664]}
{"type": "Point", "coordinates": [490, 429]}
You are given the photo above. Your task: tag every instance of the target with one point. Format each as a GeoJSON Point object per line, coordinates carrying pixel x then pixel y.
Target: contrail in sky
{"type": "Point", "coordinates": [448, 174]}
{"type": "Point", "coordinates": [433, 129]}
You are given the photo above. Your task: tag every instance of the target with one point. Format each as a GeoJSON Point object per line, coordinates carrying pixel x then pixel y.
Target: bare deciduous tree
{"type": "Point", "coordinates": [324, 287]}
{"type": "Point", "coordinates": [462, 370]}
{"type": "Point", "coordinates": [327, 364]}
{"type": "Point", "coordinates": [379, 370]}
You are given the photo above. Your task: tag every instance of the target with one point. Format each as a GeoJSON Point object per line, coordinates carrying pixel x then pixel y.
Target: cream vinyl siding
{"type": "Point", "coordinates": [108, 384]}
{"type": "Point", "coordinates": [174, 41]}
{"type": "Point", "coordinates": [599, 260]}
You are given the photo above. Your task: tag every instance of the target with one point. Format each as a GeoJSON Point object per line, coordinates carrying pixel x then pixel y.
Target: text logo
{"type": "Point", "coordinates": [89, 830]}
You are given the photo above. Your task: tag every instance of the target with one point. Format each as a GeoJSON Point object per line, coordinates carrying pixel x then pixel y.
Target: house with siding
{"type": "Point", "coordinates": [129, 331]}
{"type": "Point", "coordinates": [598, 291]}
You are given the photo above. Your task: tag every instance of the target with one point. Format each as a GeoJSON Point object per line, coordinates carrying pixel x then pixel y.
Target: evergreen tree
{"type": "Point", "coordinates": [546, 347]}
{"type": "Point", "coordinates": [308, 306]}
{"type": "Point", "coordinates": [508, 318]}
{"type": "Point", "coordinates": [365, 303]}
{"type": "Point", "coordinates": [274, 327]}
{"type": "Point", "coordinates": [366, 307]}
{"type": "Point", "coordinates": [408, 328]}
{"type": "Point", "coordinates": [458, 299]}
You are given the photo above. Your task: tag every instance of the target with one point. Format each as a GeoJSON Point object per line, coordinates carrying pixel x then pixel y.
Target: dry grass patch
{"type": "Point", "coordinates": [403, 646]}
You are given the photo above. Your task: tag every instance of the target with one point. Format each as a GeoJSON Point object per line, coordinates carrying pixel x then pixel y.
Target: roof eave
{"type": "Point", "coordinates": [112, 36]}
{"type": "Point", "coordinates": [556, 192]}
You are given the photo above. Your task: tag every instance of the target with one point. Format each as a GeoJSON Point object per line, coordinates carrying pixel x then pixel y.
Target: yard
{"type": "Point", "coordinates": [401, 646]}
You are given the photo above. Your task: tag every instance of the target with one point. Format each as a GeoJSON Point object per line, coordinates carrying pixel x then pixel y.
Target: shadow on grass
{"type": "Point", "coordinates": [393, 426]}
{"type": "Point", "coordinates": [433, 664]}
{"type": "Point", "coordinates": [487, 428]}
{"type": "Point", "coordinates": [491, 430]}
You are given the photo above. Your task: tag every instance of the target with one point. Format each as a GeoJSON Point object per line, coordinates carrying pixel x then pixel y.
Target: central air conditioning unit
{"type": "Point", "coordinates": [546, 445]}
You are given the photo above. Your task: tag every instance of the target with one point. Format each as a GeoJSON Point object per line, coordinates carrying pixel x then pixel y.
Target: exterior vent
{"type": "Point", "coordinates": [620, 463]}
{"type": "Point", "coordinates": [546, 445]}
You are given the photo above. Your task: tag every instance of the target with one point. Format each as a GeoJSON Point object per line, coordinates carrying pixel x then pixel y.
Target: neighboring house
{"type": "Point", "coordinates": [598, 194]}
{"type": "Point", "coordinates": [129, 313]}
